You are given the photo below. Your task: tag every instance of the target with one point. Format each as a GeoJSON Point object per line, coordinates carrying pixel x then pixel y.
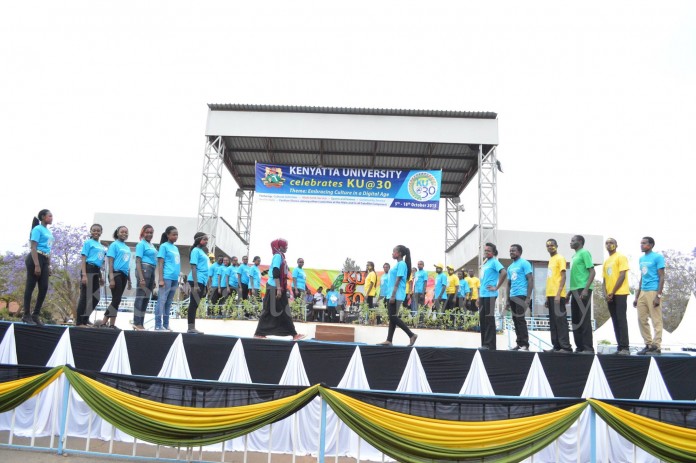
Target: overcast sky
{"type": "Point", "coordinates": [103, 108]}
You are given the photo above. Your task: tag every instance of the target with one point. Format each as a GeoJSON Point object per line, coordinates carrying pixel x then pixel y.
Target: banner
{"type": "Point", "coordinates": [413, 189]}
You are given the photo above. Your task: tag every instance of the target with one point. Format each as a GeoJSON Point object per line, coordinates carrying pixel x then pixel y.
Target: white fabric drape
{"type": "Point", "coordinates": [176, 364]}
{"type": "Point", "coordinates": [477, 382]}
{"type": "Point", "coordinates": [8, 349]}
{"type": "Point", "coordinates": [653, 389]}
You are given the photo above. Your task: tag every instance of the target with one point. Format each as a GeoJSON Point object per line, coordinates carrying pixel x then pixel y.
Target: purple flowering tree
{"type": "Point", "coordinates": [64, 287]}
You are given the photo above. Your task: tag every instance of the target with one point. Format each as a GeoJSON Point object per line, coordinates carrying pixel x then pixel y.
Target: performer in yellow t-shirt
{"type": "Point", "coordinates": [370, 284]}
{"type": "Point", "coordinates": [615, 276]}
{"type": "Point", "coordinates": [556, 299]}
{"type": "Point", "coordinates": [474, 285]}
{"type": "Point", "coordinates": [452, 288]}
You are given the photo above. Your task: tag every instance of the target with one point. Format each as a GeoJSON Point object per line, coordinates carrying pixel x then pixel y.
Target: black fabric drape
{"type": "Point", "coordinates": [147, 351]}
{"type": "Point", "coordinates": [12, 372]}
{"type": "Point", "coordinates": [507, 371]}
{"type": "Point", "coordinates": [92, 347]}
{"type": "Point", "coordinates": [325, 362]}
{"type": "Point", "coordinates": [679, 414]}
{"type": "Point", "coordinates": [446, 368]}
{"type": "Point", "coordinates": [266, 359]}
{"type": "Point", "coordinates": [35, 344]}
{"type": "Point", "coordinates": [384, 366]}
{"type": "Point", "coordinates": [625, 375]}
{"type": "Point", "coordinates": [214, 349]}
{"type": "Point", "coordinates": [679, 374]}
{"type": "Point", "coordinates": [567, 373]}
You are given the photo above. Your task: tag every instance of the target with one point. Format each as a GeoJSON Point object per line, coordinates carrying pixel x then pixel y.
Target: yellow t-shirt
{"type": "Point", "coordinates": [613, 266]}
{"type": "Point", "coordinates": [557, 264]}
{"type": "Point", "coordinates": [371, 278]}
{"type": "Point", "coordinates": [452, 283]}
{"type": "Point", "coordinates": [409, 283]}
{"type": "Point", "coordinates": [474, 285]}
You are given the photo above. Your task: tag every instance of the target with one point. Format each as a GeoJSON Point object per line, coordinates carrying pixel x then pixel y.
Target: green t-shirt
{"type": "Point", "coordinates": [580, 270]}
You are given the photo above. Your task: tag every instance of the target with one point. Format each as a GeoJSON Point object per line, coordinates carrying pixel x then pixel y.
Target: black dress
{"type": "Point", "coordinates": [276, 316]}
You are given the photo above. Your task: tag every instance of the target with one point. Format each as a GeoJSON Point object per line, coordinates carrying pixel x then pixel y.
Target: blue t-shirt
{"type": "Point", "coordinates": [212, 271]}
{"type": "Point", "coordinates": [275, 263]}
{"type": "Point", "coordinates": [440, 285]}
{"type": "Point", "coordinates": [384, 286]}
{"type": "Point", "coordinates": [94, 252]}
{"type": "Point", "coordinates": [517, 273]}
{"type": "Point", "coordinates": [121, 254]}
{"type": "Point", "coordinates": [399, 270]}
{"type": "Point", "coordinates": [43, 237]}
{"type": "Point", "coordinates": [234, 276]}
{"type": "Point", "coordinates": [221, 274]}
{"type": "Point", "coordinates": [255, 273]}
{"type": "Point", "coordinates": [463, 288]}
{"type": "Point", "coordinates": [332, 299]}
{"type": "Point", "coordinates": [244, 274]}
{"type": "Point", "coordinates": [146, 251]}
{"type": "Point", "coordinates": [169, 253]}
{"type": "Point", "coordinates": [491, 270]}
{"type": "Point", "coordinates": [200, 260]}
{"type": "Point", "coordinates": [300, 278]}
{"type": "Point", "coordinates": [421, 281]}
{"type": "Point", "coordinates": [649, 265]}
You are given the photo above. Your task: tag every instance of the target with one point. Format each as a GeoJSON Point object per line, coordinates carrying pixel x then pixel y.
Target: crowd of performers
{"type": "Point", "coordinates": [399, 283]}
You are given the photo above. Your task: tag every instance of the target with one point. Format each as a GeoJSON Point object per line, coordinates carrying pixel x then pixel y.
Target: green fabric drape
{"type": "Point", "coordinates": [164, 432]}
{"type": "Point", "coordinates": [14, 393]}
{"type": "Point", "coordinates": [404, 449]}
{"type": "Point", "coordinates": [664, 441]}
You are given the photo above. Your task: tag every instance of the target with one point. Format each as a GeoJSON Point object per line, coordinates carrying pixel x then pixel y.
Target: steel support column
{"type": "Point", "coordinates": [488, 199]}
{"type": "Point", "coordinates": [245, 204]}
{"type": "Point", "coordinates": [209, 203]}
{"type": "Point", "coordinates": [451, 222]}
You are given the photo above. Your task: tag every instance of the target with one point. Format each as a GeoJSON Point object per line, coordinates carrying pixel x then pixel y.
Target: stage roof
{"type": "Point", "coordinates": [353, 137]}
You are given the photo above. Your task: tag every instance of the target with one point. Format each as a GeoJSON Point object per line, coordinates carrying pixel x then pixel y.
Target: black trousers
{"type": "Point", "coordinates": [371, 302]}
{"type": "Point", "coordinates": [245, 291]}
{"type": "Point", "coordinates": [617, 310]}
{"type": "Point", "coordinates": [143, 295]}
{"type": "Point", "coordinates": [581, 314]}
{"type": "Point", "coordinates": [32, 281]}
{"type": "Point", "coordinates": [487, 322]}
{"type": "Point", "coordinates": [395, 320]}
{"type": "Point", "coordinates": [558, 324]}
{"type": "Point", "coordinates": [518, 306]}
{"type": "Point", "coordinates": [331, 314]}
{"type": "Point", "coordinates": [89, 295]}
{"type": "Point", "coordinates": [121, 281]}
{"type": "Point", "coordinates": [451, 302]}
{"type": "Point", "coordinates": [195, 300]}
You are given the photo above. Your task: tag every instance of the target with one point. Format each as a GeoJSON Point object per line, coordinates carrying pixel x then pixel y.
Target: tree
{"type": "Point", "coordinates": [64, 283]}
{"type": "Point", "coordinates": [350, 266]}
{"type": "Point", "coordinates": [680, 282]}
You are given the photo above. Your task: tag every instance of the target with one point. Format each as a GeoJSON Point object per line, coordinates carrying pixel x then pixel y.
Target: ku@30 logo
{"type": "Point", "coordinates": [422, 186]}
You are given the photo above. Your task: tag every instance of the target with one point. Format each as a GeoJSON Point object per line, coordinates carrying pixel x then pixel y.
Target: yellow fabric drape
{"type": "Point", "coordinates": [8, 386]}
{"type": "Point", "coordinates": [190, 416]}
{"type": "Point", "coordinates": [454, 434]}
{"type": "Point", "coordinates": [665, 433]}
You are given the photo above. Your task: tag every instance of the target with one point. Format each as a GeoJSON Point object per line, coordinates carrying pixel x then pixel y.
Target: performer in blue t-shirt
{"type": "Point", "coordinates": [168, 269]}
{"type": "Point", "coordinates": [299, 279]}
{"type": "Point", "coordinates": [244, 277]}
{"type": "Point", "coordinates": [648, 299]}
{"type": "Point", "coordinates": [91, 278]}
{"type": "Point", "coordinates": [398, 276]}
{"type": "Point", "coordinates": [145, 265]}
{"type": "Point", "coordinates": [118, 257]}
{"type": "Point", "coordinates": [520, 287]}
{"type": "Point", "coordinates": [37, 262]}
{"type": "Point", "coordinates": [213, 281]}
{"type": "Point", "coordinates": [197, 278]}
{"type": "Point", "coordinates": [493, 278]}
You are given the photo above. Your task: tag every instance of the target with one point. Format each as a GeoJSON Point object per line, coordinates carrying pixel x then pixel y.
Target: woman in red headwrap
{"type": "Point", "coordinates": [276, 316]}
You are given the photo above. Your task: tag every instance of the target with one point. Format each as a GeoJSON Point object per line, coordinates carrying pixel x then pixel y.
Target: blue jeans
{"type": "Point", "coordinates": [142, 295]}
{"type": "Point", "coordinates": [164, 303]}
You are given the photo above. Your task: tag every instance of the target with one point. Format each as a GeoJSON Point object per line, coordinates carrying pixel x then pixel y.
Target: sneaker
{"type": "Point", "coordinates": [520, 348]}
{"type": "Point", "coordinates": [644, 350]}
{"type": "Point", "coordinates": [623, 352]}
{"type": "Point", "coordinates": [159, 328]}
{"type": "Point", "coordinates": [166, 328]}
{"type": "Point", "coordinates": [654, 350]}
{"type": "Point", "coordinates": [28, 320]}
{"type": "Point", "coordinates": [552, 351]}
{"type": "Point", "coordinates": [194, 331]}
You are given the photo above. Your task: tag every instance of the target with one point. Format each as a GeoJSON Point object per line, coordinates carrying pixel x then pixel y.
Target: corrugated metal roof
{"type": "Point", "coordinates": [357, 111]}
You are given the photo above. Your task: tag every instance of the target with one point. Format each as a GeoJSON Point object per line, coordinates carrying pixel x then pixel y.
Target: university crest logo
{"type": "Point", "coordinates": [273, 178]}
